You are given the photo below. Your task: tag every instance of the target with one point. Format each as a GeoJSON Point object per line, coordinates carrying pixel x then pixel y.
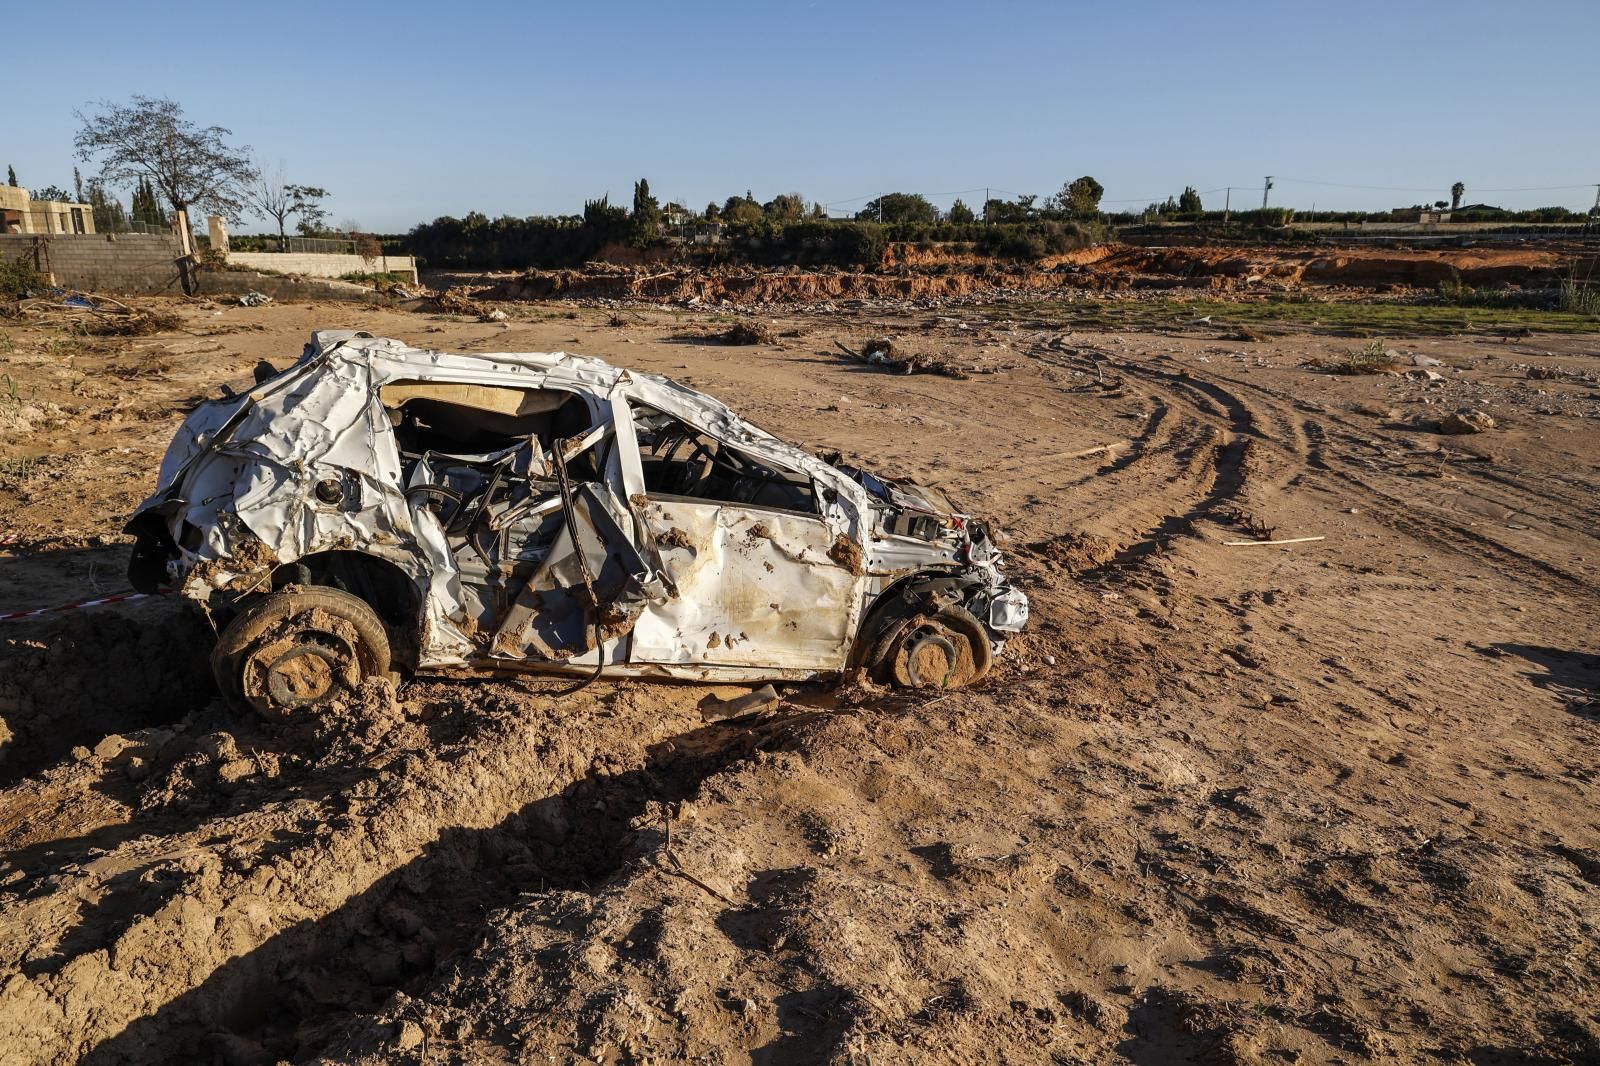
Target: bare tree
{"type": "Point", "coordinates": [270, 195]}
{"type": "Point", "coordinates": [149, 138]}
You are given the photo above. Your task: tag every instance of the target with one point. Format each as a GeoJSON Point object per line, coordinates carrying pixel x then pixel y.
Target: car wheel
{"type": "Point", "coordinates": [945, 650]}
{"type": "Point", "coordinates": [298, 649]}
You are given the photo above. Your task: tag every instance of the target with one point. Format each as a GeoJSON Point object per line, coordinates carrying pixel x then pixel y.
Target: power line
{"type": "Point", "coordinates": [1427, 188]}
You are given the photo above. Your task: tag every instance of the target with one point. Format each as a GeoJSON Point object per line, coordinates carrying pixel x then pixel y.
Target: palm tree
{"type": "Point", "coordinates": [1457, 191]}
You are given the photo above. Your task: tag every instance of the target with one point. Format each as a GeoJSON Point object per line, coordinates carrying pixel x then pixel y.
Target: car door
{"type": "Point", "coordinates": [762, 582]}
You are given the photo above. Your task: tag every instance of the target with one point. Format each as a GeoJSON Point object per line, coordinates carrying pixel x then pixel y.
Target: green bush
{"type": "Point", "coordinates": [19, 277]}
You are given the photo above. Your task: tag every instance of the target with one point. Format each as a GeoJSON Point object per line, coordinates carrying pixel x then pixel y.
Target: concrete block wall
{"type": "Point", "coordinates": [141, 263]}
{"type": "Point", "coordinates": [324, 265]}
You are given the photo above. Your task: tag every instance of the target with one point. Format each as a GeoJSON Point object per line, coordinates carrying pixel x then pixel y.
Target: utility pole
{"type": "Point", "coordinates": [1264, 190]}
{"type": "Point", "coordinates": [1227, 205]}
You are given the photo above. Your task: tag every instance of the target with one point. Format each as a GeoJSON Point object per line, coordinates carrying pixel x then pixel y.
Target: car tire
{"type": "Point", "coordinates": [947, 649]}
{"type": "Point", "coordinates": [299, 649]}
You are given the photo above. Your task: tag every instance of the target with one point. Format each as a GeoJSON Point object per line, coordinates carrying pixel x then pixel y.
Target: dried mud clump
{"type": "Point", "coordinates": [847, 553]}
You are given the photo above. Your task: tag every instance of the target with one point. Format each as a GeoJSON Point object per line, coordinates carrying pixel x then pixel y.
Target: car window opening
{"type": "Point", "coordinates": [479, 459]}
{"type": "Point", "coordinates": [680, 460]}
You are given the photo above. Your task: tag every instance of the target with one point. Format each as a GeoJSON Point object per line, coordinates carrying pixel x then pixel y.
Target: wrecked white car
{"type": "Point", "coordinates": [382, 509]}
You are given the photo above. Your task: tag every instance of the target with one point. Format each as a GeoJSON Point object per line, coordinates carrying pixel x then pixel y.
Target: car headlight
{"type": "Point", "coordinates": [1008, 610]}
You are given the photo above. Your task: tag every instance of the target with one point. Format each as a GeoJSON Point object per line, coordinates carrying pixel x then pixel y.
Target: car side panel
{"type": "Point", "coordinates": [755, 588]}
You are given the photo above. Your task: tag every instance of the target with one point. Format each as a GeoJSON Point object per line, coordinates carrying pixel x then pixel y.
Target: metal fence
{"type": "Point", "coordinates": [321, 245]}
{"type": "Point", "coordinates": [131, 226]}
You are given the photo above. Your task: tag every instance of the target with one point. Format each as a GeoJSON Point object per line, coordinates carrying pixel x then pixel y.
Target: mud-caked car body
{"type": "Point", "coordinates": [378, 508]}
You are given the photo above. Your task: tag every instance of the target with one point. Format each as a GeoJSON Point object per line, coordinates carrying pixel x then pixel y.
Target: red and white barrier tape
{"type": "Point", "coordinates": [125, 597]}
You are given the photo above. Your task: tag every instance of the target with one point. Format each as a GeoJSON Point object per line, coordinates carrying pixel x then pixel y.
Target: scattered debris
{"type": "Point", "coordinates": [715, 710]}
{"type": "Point", "coordinates": [1466, 420]}
{"type": "Point", "coordinates": [254, 299]}
{"type": "Point", "coordinates": [748, 332]}
{"type": "Point", "coordinates": [883, 352]}
{"type": "Point", "coordinates": [1372, 359]}
{"type": "Point", "coordinates": [98, 316]}
{"type": "Point", "coordinates": [457, 301]}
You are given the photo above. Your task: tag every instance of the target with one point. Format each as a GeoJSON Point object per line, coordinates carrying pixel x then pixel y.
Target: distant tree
{"type": "Point", "coordinates": [52, 192]}
{"type": "Point", "coordinates": [146, 208]}
{"type": "Point", "coordinates": [961, 214]}
{"type": "Point", "coordinates": [742, 209]}
{"type": "Point", "coordinates": [1170, 207]}
{"type": "Point", "coordinates": [604, 221]}
{"type": "Point", "coordinates": [1189, 202]}
{"type": "Point", "coordinates": [368, 247]}
{"type": "Point", "coordinates": [271, 196]}
{"type": "Point", "coordinates": [818, 211]}
{"type": "Point", "coordinates": [900, 207]}
{"type": "Point", "coordinates": [11, 175]}
{"type": "Point", "coordinates": [786, 207]}
{"type": "Point", "coordinates": [1440, 204]}
{"type": "Point", "coordinates": [77, 186]}
{"type": "Point", "coordinates": [1457, 191]}
{"type": "Point", "coordinates": [1019, 210]}
{"type": "Point", "coordinates": [108, 214]}
{"type": "Point", "coordinates": [1080, 198]}
{"type": "Point", "coordinates": [188, 166]}
{"type": "Point", "coordinates": [646, 216]}
{"type": "Point", "coordinates": [713, 212]}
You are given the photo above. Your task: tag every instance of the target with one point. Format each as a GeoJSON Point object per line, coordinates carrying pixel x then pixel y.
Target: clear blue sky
{"type": "Point", "coordinates": [407, 111]}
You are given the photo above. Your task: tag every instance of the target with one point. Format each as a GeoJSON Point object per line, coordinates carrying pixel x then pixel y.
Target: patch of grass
{"type": "Point", "coordinates": [16, 471]}
{"type": "Point", "coordinates": [1303, 312]}
{"type": "Point", "coordinates": [1579, 296]}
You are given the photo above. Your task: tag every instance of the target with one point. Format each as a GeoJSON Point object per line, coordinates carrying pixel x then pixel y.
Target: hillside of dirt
{"type": "Point", "coordinates": [1325, 802]}
{"type": "Point", "coordinates": [909, 273]}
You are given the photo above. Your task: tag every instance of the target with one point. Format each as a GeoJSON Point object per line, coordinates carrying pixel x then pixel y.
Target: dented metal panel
{"type": "Point", "coordinates": [754, 587]}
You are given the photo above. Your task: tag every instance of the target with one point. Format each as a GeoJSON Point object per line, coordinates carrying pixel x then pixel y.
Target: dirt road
{"type": "Point", "coordinates": [1332, 801]}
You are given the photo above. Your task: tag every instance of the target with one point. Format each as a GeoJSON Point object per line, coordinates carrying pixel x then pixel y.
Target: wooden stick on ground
{"type": "Point", "coordinates": [1254, 543]}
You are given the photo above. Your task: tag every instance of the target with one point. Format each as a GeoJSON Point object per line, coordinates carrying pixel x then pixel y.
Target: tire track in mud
{"type": "Point", "coordinates": [266, 925]}
{"type": "Point", "coordinates": [1224, 451]}
{"type": "Point", "coordinates": [1437, 527]}
{"type": "Point", "coordinates": [1266, 443]}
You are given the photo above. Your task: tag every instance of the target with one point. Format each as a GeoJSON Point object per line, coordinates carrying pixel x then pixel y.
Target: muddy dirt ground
{"type": "Point", "coordinates": [1326, 802]}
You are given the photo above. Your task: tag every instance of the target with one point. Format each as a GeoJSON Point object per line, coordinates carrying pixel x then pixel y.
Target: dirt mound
{"type": "Point", "coordinates": [913, 275]}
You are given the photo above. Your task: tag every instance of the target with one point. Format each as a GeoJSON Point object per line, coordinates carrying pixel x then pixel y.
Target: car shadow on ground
{"type": "Point", "coordinates": [70, 679]}
{"type": "Point", "coordinates": [313, 982]}
{"type": "Point", "coordinates": [1572, 675]}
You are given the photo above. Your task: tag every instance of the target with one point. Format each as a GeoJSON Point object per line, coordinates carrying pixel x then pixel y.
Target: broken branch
{"type": "Point", "coordinates": [1254, 543]}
